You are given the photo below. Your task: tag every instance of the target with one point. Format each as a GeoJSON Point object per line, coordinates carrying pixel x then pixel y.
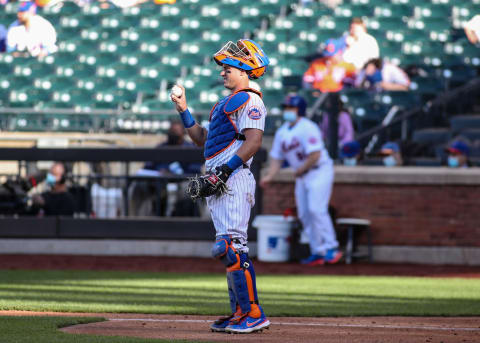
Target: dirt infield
{"type": "Point", "coordinates": [292, 330]}
{"type": "Point", "coordinates": [206, 265]}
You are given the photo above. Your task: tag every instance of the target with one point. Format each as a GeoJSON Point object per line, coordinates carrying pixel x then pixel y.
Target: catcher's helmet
{"type": "Point", "coordinates": [296, 101]}
{"type": "Point", "coordinates": [246, 55]}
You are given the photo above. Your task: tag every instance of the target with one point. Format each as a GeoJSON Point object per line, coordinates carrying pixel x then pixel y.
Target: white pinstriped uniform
{"type": "Point", "coordinates": [231, 212]}
{"type": "Point", "coordinates": [313, 189]}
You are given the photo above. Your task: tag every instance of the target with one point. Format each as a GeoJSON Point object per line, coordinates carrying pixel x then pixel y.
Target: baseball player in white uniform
{"type": "Point", "coordinates": [299, 142]}
{"type": "Point", "coordinates": [234, 135]}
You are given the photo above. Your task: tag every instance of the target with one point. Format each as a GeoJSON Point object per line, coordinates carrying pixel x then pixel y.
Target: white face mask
{"type": "Point", "coordinates": [389, 161]}
{"type": "Point", "coordinates": [289, 116]}
{"type": "Point", "coordinates": [350, 161]}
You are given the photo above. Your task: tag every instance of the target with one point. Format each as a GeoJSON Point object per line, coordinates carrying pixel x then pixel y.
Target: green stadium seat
{"type": "Point", "coordinates": [349, 11]}
{"type": "Point", "coordinates": [398, 98]}
{"type": "Point", "coordinates": [392, 10]}
{"type": "Point", "coordinates": [434, 11]}
{"type": "Point", "coordinates": [354, 98]}
{"type": "Point", "coordinates": [31, 122]}
{"type": "Point", "coordinates": [118, 46]}
{"type": "Point", "coordinates": [21, 97]}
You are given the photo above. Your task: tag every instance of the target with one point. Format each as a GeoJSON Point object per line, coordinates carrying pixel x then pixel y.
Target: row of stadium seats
{"type": "Point", "coordinates": [128, 59]}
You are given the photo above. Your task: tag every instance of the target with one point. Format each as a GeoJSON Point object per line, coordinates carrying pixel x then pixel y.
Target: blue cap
{"type": "Point", "coordinates": [459, 147]}
{"type": "Point", "coordinates": [27, 6]}
{"type": "Point", "coordinates": [333, 46]}
{"type": "Point", "coordinates": [350, 149]}
{"type": "Point", "coordinates": [296, 101]}
{"type": "Point", "coordinates": [390, 147]}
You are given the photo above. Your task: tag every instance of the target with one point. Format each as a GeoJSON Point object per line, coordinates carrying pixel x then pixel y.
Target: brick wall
{"type": "Point", "coordinates": [414, 215]}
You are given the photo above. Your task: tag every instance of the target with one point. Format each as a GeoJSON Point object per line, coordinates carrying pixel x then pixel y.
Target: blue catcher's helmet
{"type": "Point", "coordinates": [296, 101]}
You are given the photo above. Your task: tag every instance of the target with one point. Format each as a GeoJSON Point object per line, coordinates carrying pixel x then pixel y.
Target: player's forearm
{"type": "Point", "coordinates": [251, 145]}
{"type": "Point", "coordinates": [311, 160]}
{"type": "Point", "coordinates": [472, 37]}
{"type": "Point", "coordinates": [394, 86]}
{"type": "Point", "coordinates": [273, 168]}
{"type": "Point", "coordinates": [198, 134]}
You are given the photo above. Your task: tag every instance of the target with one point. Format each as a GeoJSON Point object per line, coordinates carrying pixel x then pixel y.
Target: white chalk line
{"type": "Point", "coordinates": [362, 326]}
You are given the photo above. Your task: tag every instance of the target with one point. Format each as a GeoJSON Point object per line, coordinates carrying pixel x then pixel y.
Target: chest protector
{"type": "Point", "coordinates": [222, 131]}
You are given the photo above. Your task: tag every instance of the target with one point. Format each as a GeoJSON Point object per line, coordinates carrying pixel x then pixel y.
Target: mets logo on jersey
{"type": "Point", "coordinates": [254, 113]}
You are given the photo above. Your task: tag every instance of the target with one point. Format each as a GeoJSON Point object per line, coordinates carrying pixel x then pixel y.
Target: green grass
{"type": "Point", "coordinates": [44, 330]}
{"type": "Point", "coordinates": [280, 295]}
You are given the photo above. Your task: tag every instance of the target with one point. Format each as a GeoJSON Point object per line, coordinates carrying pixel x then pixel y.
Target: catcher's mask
{"type": "Point", "coordinates": [246, 55]}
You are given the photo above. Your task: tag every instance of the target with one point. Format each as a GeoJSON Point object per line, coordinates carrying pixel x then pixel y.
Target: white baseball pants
{"type": "Point", "coordinates": [231, 212]}
{"type": "Point", "coordinates": [312, 195]}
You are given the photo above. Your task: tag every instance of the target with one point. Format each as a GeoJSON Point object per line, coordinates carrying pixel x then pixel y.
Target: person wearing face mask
{"type": "Point", "coordinates": [392, 156]}
{"type": "Point", "coordinates": [57, 201]}
{"type": "Point", "coordinates": [148, 198]}
{"type": "Point", "coordinates": [175, 137]}
{"type": "Point", "coordinates": [299, 142]}
{"type": "Point", "coordinates": [350, 153]}
{"type": "Point", "coordinates": [381, 75]}
{"type": "Point", "coordinates": [458, 154]}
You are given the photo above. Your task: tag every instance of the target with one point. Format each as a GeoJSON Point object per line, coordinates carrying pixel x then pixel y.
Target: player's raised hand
{"type": "Point", "coordinates": [179, 98]}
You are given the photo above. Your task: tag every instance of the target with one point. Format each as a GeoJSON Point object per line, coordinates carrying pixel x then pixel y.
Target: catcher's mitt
{"type": "Point", "coordinates": [214, 183]}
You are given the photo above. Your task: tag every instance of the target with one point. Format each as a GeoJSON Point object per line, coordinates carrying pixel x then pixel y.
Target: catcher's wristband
{"type": "Point", "coordinates": [187, 119]}
{"type": "Point", "coordinates": [235, 162]}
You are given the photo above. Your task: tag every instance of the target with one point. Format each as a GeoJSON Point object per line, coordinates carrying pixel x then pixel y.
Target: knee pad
{"type": "Point", "coordinates": [224, 251]}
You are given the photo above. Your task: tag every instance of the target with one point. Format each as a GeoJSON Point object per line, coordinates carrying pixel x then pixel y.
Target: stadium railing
{"type": "Point", "coordinates": [120, 175]}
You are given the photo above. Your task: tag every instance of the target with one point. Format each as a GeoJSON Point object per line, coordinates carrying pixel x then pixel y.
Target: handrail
{"type": "Point", "coordinates": [440, 99]}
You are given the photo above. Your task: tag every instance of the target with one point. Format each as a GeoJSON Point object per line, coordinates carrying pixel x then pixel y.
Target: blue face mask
{"type": "Point", "coordinates": [350, 161]}
{"type": "Point", "coordinates": [289, 116]}
{"type": "Point", "coordinates": [389, 161]}
{"type": "Point", "coordinates": [453, 162]}
{"type": "Point", "coordinates": [375, 77]}
{"type": "Point", "coordinates": [51, 180]}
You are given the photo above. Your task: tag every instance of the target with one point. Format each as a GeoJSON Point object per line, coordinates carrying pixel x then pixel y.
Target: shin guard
{"type": "Point", "coordinates": [241, 280]}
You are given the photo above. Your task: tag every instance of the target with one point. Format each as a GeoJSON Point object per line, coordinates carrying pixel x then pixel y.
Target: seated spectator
{"type": "Point", "coordinates": [350, 153]}
{"type": "Point", "coordinates": [361, 46]}
{"type": "Point", "coordinates": [58, 201]}
{"type": "Point", "coordinates": [381, 75]}
{"type": "Point", "coordinates": [472, 29]}
{"type": "Point", "coordinates": [392, 156]}
{"type": "Point", "coordinates": [458, 152]}
{"type": "Point", "coordinates": [31, 34]}
{"type": "Point", "coordinates": [346, 132]}
{"type": "Point", "coordinates": [175, 137]}
{"type": "Point", "coordinates": [146, 198]}
{"type": "Point", "coordinates": [328, 73]}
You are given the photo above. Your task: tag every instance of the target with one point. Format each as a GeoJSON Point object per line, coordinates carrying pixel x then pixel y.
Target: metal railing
{"type": "Point", "coordinates": [110, 182]}
{"type": "Point", "coordinates": [436, 110]}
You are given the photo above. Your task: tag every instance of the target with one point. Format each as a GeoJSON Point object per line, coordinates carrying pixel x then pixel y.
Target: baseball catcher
{"type": "Point", "coordinates": [234, 135]}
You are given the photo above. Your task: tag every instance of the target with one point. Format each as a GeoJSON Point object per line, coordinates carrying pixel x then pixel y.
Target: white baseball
{"type": "Point", "coordinates": [177, 91]}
